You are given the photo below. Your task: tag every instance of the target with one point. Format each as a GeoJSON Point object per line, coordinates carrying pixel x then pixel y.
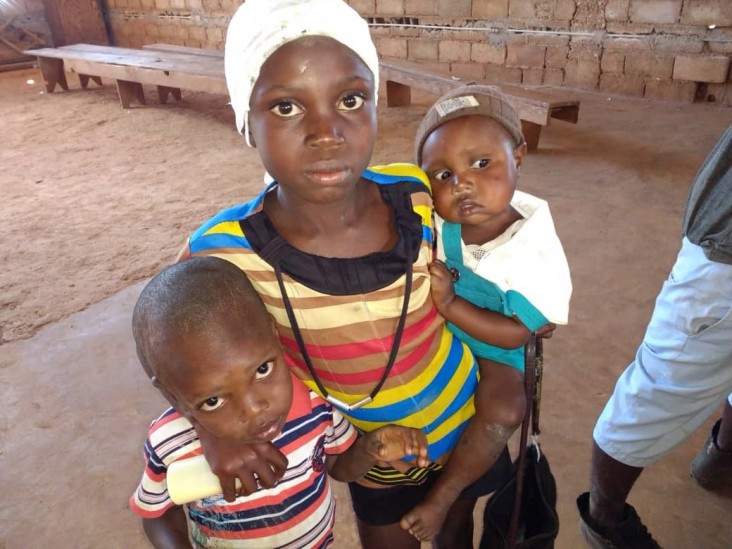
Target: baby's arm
{"type": "Point", "coordinates": [388, 444]}
{"type": "Point", "coordinates": [500, 402]}
{"type": "Point", "coordinates": [168, 531]}
{"type": "Point", "coordinates": [488, 326]}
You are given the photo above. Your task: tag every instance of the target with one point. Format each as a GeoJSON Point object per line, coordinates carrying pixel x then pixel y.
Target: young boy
{"type": "Point", "coordinates": [207, 343]}
{"type": "Point", "coordinates": [501, 272]}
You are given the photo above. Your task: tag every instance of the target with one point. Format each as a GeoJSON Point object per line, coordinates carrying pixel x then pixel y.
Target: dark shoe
{"type": "Point", "coordinates": [712, 467]}
{"type": "Point", "coordinates": [630, 533]}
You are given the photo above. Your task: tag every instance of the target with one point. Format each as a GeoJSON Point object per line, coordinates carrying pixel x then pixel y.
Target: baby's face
{"type": "Point", "coordinates": [235, 383]}
{"type": "Point", "coordinates": [313, 118]}
{"type": "Point", "coordinates": [472, 165]}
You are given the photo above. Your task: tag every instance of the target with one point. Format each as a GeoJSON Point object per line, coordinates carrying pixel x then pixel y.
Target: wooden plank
{"type": "Point", "coordinates": [534, 105]}
{"type": "Point", "coordinates": [52, 71]}
{"type": "Point", "coordinates": [73, 21]}
{"type": "Point", "coordinates": [183, 49]}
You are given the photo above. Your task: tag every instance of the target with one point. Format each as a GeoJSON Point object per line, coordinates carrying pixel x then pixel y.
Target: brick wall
{"type": "Point", "coordinates": [676, 50]}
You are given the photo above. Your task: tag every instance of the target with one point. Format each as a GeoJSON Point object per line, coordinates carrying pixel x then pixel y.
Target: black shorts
{"type": "Point", "coordinates": [383, 506]}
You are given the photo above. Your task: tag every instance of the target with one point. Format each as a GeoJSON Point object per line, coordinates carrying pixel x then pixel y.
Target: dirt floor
{"type": "Point", "coordinates": [96, 199]}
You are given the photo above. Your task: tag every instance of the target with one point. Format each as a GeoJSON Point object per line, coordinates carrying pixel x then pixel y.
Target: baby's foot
{"type": "Point", "coordinates": [425, 520]}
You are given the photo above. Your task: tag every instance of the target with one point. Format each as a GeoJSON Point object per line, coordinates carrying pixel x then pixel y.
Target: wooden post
{"type": "Point", "coordinates": [53, 73]}
{"type": "Point", "coordinates": [128, 91]}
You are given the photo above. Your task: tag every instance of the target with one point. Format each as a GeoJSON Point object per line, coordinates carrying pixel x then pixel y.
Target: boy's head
{"type": "Point", "coordinates": [206, 341]}
{"type": "Point", "coordinates": [260, 27]}
{"type": "Point", "coordinates": [471, 147]}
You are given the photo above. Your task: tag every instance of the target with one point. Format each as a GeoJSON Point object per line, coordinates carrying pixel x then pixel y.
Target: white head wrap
{"type": "Point", "coordinates": [260, 27]}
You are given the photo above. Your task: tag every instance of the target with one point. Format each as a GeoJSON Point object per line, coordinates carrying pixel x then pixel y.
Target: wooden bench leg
{"type": "Point", "coordinates": [84, 80]}
{"type": "Point", "coordinates": [53, 73]}
{"type": "Point", "coordinates": [531, 133]}
{"type": "Point", "coordinates": [165, 91]}
{"type": "Point", "coordinates": [398, 95]}
{"type": "Point", "coordinates": [128, 91]}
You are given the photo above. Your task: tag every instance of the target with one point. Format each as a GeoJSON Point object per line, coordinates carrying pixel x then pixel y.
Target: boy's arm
{"type": "Point", "coordinates": [490, 327]}
{"type": "Point", "coordinates": [168, 531]}
{"type": "Point", "coordinates": [500, 402]}
{"type": "Point", "coordinates": [385, 444]}
{"type": "Point", "coordinates": [249, 463]}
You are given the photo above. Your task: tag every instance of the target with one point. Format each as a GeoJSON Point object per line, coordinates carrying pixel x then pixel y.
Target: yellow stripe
{"type": "Point", "coordinates": [228, 227]}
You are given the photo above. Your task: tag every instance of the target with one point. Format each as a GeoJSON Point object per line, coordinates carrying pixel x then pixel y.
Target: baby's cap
{"type": "Point", "coordinates": [260, 27]}
{"type": "Point", "coordinates": [466, 100]}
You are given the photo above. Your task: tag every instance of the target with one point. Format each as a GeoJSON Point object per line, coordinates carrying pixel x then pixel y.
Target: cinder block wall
{"type": "Point", "coordinates": [675, 50]}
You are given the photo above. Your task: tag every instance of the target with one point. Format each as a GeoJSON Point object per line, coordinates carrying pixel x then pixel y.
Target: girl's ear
{"type": "Point", "coordinates": [519, 152]}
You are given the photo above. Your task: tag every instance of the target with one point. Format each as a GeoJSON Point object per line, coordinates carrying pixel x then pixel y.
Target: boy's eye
{"type": "Point", "coordinates": [481, 163]}
{"type": "Point", "coordinates": [286, 109]}
{"type": "Point", "coordinates": [351, 102]}
{"type": "Point", "coordinates": [264, 370]}
{"type": "Point", "coordinates": [211, 404]}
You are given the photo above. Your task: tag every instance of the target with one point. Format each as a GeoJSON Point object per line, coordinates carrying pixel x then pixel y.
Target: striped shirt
{"type": "Point", "coordinates": [296, 513]}
{"type": "Point", "coordinates": [348, 309]}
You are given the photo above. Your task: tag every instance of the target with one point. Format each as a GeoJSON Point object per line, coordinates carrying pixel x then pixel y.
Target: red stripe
{"type": "Point", "coordinates": [368, 376]}
{"type": "Point", "coordinates": [345, 351]}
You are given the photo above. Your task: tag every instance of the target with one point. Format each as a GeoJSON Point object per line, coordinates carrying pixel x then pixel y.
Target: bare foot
{"type": "Point", "coordinates": [425, 520]}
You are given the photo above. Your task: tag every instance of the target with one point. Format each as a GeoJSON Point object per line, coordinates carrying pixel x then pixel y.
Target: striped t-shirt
{"type": "Point", "coordinates": [296, 513]}
{"type": "Point", "coordinates": [348, 310]}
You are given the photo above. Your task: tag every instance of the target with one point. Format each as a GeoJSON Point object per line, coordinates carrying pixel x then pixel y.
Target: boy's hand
{"type": "Point", "coordinates": [249, 463]}
{"type": "Point", "coordinates": [394, 442]}
{"type": "Point", "coordinates": [441, 284]}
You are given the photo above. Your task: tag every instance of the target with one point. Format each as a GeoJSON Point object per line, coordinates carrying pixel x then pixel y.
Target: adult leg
{"type": "Point", "coordinates": [712, 466]}
{"type": "Point", "coordinates": [681, 373]}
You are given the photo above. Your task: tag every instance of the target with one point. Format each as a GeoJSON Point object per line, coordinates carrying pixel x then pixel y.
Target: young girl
{"type": "Point", "coordinates": [340, 253]}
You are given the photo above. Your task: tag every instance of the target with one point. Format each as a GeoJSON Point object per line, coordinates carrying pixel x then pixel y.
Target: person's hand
{"type": "Point", "coordinates": [441, 284]}
{"type": "Point", "coordinates": [250, 463]}
{"type": "Point", "coordinates": [391, 443]}
{"type": "Point", "coordinates": [546, 331]}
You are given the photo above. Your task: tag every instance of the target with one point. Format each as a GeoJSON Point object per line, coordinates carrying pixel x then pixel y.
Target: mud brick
{"type": "Point", "coordinates": [420, 7]}
{"type": "Point", "coordinates": [665, 89]}
{"type": "Point", "coordinates": [556, 57]}
{"type": "Point", "coordinates": [454, 51]}
{"type": "Point", "coordinates": [655, 11]}
{"type": "Point", "coordinates": [499, 73]}
{"type": "Point", "coordinates": [422, 50]}
{"type": "Point", "coordinates": [525, 56]}
{"type": "Point", "coordinates": [487, 53]}
{"type": "Point", "coordinates": [532, 76]}
{"type": "Point", "coordinates": [622, 84]}
{"type": "Point", "coordinates": [648, 64]}
{"type": "Point", "coordinates": [613, 62]}
{"type": "Point", "coordinates": [617, 10]}
{"type": "Point", "coordinates": [392, 47]}
{"type": "Point", "coordinates": [490, 9]}
{"type": "Point", "coordinates": [553, 77]}
{"type": "Point", "coordinates": [699, 68]}
{"type": "Point", "coordinates": [367, 8]}
{"type": "Point", "coordinates": [386, 8]}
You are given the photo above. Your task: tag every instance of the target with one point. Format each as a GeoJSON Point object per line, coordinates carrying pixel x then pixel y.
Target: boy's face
{"type": "Point", "coordinates": [232, 381]}
{"type": "Point", "coordinates": [313, 118]}
{"type": "Point", "coordinates": [472, 164]}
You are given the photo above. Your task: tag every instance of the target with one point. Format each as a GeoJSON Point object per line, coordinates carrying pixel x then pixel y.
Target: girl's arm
{"type": "Point", "coordinates": [168, 531]}
{"type": "Point", "coordinates": [385, 444]}
{"type": "Point", "coordinates": [500, 402]}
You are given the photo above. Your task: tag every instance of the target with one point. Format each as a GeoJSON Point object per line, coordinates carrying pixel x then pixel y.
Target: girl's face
{"type": "Point", "coordinates": [472, 164]}
{"type": "Point", "coordinates": [313, 118]}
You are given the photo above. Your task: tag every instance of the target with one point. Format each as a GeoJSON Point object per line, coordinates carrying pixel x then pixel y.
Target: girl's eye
{"type": "Point", "coordinates": [351, 102]}
{"type": "Point", "coordinates": [264, 370]}
{"type": "Point", "coordinates": [286, 109]}
{"type": "Point", "coordinates": [481, 163]}
{"type": "Point", "coordinates": [212, 404]}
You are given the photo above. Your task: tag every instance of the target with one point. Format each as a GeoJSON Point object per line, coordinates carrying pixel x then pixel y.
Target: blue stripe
{"type": "Point", "coordinates": [448, 442]}
{"type": "Point", "coordinates": [303, 425]}
{"type": "Point", "coordinates": [389, 179]}
{"type": "Point", "coordinates": [392, 413]}
{"type": "Point", "coordinates": [215, 518]}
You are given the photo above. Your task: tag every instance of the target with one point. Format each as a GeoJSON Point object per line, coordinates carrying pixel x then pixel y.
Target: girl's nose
{"type": "Point", "coordinates": [324, 131]}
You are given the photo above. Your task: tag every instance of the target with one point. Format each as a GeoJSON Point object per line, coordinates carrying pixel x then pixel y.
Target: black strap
{"type": "Point", "coordinates": [533, 353]}
{"type": "Point", "coordinates": [301, 343]}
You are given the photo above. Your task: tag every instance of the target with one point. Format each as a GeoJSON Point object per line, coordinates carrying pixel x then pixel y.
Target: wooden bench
{"type": "Point", "coordinates": [131, 68]}
{"type": "Point", "coordinates": [536, 106]}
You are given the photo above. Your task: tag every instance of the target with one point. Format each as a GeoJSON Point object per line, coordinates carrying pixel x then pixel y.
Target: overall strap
{"type": "Point", "coordinates": [451, 240]}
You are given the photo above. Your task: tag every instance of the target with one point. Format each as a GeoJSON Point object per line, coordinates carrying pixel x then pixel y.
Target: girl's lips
{"type": "Point", "coordinates": [328, 177]}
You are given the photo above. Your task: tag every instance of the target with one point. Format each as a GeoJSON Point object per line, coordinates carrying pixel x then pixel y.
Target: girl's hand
{"type": "Point", "coordinates": [394, 442]}
{"type": "Point", "coordinates": [441, 285]}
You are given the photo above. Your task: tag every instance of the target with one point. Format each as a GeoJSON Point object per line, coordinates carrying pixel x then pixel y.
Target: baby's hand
{"type": "Point", "coordinates": [393, 442]}
{"type": "Point", "coordinates": [441, 284]}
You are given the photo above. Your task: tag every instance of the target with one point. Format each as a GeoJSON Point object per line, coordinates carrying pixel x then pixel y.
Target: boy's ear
{"type": "Point", "coordinates": [519, 153]}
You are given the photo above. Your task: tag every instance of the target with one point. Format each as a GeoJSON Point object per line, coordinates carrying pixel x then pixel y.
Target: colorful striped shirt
{"type": "Point", "coordinates": [296, 513]}
{"type": "Point", "coordinates": [347, 311]}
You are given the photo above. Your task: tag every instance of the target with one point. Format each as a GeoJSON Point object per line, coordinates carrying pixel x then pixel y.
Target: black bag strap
{"type": "Point", "coordinates": [533, 353]}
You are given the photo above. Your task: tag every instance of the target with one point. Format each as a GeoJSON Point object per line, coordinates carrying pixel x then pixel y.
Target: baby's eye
{"type": "Point", "coordinates": [351, 102]}
{"type": "Point", "coordinates": [212, 404]}
{"type": "Point", "coordinates": [264, 370]}
{"type": "Point", "coordinates": [286, 109]}
{"type": "Point", "coordinates": [443, 175]}
{"type": "Point", "coordinates": [481, 163]}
